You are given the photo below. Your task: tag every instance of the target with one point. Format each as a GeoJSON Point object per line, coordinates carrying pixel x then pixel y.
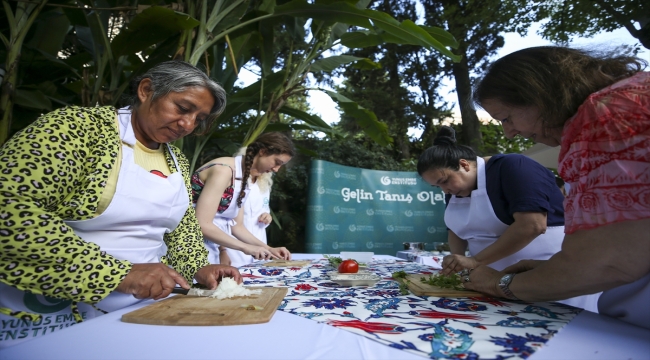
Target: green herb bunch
{"type": "Point", "coordinates": [403, 283]}
{"type": "Point", "coordinates": [335, 261]}
{"type": "Point", "coordinates": [444, 281]}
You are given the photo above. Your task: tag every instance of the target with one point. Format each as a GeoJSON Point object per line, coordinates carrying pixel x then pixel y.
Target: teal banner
{"type": "Point", "coordinates": [352, 209]}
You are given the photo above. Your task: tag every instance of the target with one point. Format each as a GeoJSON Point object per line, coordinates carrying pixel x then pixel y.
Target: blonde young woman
{"type": "Point", "coordinates": [219, 198]}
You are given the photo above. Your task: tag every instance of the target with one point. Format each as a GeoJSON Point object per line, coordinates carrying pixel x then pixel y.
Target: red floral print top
{"type": "Point", "coordinates": [605, 156]}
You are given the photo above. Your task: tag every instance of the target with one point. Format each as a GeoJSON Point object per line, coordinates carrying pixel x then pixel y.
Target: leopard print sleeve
{"type": "Point", "coordinates": [56, 169]}
{"type": "Point", "coordinates": [186, 252]}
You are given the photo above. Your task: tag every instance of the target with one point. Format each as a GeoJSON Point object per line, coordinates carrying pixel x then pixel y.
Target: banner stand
{"type": "Point", "coordinates": [353, 209]}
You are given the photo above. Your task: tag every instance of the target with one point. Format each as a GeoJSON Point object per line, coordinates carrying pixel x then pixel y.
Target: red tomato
{"type": "Point", "coordinates": [349, 267]}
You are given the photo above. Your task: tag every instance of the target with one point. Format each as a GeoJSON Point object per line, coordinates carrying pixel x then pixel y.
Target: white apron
{"type": "Point", "coordinates": [144, 207]}
{"type": "Point", "coordinates": [629, 303]}
{"type": "Point", "coordinates": [257, 203]}
{"type": "Point", "coordinates": [473, 219]}
{"type": "Point", "coordinates": [226, 220]}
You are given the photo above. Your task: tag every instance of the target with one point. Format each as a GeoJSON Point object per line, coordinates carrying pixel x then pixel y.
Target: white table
{"type": "Point", "coordinates": [286, 336]}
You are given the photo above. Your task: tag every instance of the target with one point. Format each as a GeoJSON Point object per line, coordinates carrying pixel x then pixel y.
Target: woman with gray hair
{"type": "Point", "coordinates": [95, 206]}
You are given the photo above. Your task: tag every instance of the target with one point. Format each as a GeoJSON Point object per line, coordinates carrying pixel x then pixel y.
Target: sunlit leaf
{"type": "Point", "coordinates": [308, 118]}
{"type": "Point", "coordinates": [406, 32]}
{"type": "Point", "coordinates": [366, 119]}
{"type": "Point", "coordinates": [149, 27]}
{"type": "Point", "coordinates": [333, 62]}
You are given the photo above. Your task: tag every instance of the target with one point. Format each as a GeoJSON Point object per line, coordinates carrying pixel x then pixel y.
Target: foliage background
{"type": "Point", "coordinates": [392, 55]}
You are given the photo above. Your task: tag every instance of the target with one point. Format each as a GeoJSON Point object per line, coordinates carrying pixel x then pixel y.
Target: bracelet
{"type": "Point", "coordinates": [504, 284]}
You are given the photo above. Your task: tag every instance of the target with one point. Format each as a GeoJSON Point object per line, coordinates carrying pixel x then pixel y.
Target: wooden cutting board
{"type": "Point", "coordinates": [207, 311]}
{"type": "Point", "coordinates": [419, 288]}
{"type": "Point", "coordinates": [287, 263]}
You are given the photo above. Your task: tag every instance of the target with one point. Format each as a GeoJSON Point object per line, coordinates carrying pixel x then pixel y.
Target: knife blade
{"type": "Point", "coordinates": [193, 292]}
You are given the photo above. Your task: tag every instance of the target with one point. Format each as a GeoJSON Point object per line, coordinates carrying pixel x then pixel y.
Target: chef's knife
{"type": "Point", "coordinates": [193, 292]}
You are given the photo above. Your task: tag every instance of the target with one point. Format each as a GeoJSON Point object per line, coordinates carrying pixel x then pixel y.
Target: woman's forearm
{"type": "Point", "coordinates": [241, 233]}
{"type": "Point", "coordinates": [523, 231]}
{"type": "Point", "coordinates": [590, 261]}
{"type": "Point", "coordinates": [218, 236]}
{"type": "Point", "coordinates": [456, 244]}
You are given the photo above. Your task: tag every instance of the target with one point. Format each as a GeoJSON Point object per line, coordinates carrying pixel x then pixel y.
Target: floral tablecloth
{"type": "Point", "coordinates": [438, 328]}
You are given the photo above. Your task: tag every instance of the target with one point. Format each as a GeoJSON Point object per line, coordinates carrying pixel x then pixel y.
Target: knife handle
{"type": "Point", "coordinates": [179, 290]}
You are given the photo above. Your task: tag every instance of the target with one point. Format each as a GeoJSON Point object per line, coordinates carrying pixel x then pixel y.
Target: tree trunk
{"type": "Point", "coordinates": [471, 126]}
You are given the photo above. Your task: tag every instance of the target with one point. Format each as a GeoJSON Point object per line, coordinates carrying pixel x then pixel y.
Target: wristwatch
{"type": "Point", "coordinates": [504, 284]}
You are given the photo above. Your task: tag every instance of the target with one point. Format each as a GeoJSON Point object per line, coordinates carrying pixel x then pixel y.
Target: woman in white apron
{"type": "Point", "coordinates": [219, 198]}
{"type": "Point", "coordinates": [524, 193]}
{"type": "Point", "coordinates": [119, 248]}
{"type": "Point", "coordinates": [257, 213]}
{"type": "Point", "coordinates": [257, 216]}
{"type": "Point", "coordinates": [596, 107]}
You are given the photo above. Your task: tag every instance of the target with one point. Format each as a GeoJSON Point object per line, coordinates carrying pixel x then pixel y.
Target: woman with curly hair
{"type": "Point", "coordinates": [596, 107]}
{"type": "Point", "coordinates": [218, 195]}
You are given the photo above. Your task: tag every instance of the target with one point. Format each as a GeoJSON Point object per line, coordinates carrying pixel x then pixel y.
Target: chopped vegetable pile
{"type": "Point", "coordinates": [403, 285]}
{"type": "Point", "coordinates": [444, 281]}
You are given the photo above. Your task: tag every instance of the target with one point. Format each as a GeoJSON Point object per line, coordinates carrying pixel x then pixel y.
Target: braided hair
{"type": "Point", "coordinates": [273, 143]}
{"type": "Point", "coordinates": [445, 153]}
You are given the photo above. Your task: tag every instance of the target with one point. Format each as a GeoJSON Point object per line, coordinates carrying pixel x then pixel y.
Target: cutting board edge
{"type": "Point", "coordinates": [417, 288]}
{"type": "Point", "coordinates": [134, 317]}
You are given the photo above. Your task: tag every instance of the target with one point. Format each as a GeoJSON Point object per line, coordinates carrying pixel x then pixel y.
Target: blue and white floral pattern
{"type": "Point", "coordinates": [437, 328]}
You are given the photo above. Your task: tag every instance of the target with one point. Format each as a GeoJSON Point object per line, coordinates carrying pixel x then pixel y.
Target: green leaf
{"type": "Point", "coordinates": [332, 62]}
{"type": "Point", "coordinates": [366, 119]}
{"type": "Point", "coordinates": [227, 145]}
{"type": "Point", "coordinates": [308, 118]}
{"type": "Point", "coordinates": [361, 39]}
{"type": "Point", "coordinates": [230, 18]}
{"type": "Point", "coordinates": [366, 64]}
{"type": "Point", "coordinates": [341, 12]}
{"type": "Point", "coordinates": [407, 32]}
{"type": "Point", "coordinates": [34, 99]}
{"type": "Point", "coordinates": [49, 31]}
{"type": "Point", "coordinates": [280, 127]}
{"type": "Point", "coordinates": [267, 55]}
{"type": "Point", "coordinates": [151, 26]}
{"type": "Point", "coordinates": [271, 83]}
{"type": "Point", "coordinates": [441, 35]}
{"type": "Point", "coordinates": [291, 127]}
{"type": "Point", "coordinates": [306, 151]}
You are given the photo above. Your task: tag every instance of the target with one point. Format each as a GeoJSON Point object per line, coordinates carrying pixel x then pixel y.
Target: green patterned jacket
{"type": "Point", "coordinates": [55, 170]}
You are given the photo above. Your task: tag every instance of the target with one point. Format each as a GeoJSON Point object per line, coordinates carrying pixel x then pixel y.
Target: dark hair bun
{"type": "Point", "coordinates": [446, 136]}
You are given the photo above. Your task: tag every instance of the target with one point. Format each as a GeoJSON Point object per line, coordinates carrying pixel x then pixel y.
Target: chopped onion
{"type": "Point", "coordinates": [229, 288]}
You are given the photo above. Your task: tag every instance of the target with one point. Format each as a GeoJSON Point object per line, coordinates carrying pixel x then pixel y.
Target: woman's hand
{"type": "Point", "coordinates": [485, 280]}
{"type": "Point", "coordinates": [151, 281]}
{"type": "Point", "coordinates": [259, 252]}
{"type": "Point", "coordinates": [455, 263]}
{"type": "Point", "coordinates": [265, 218]}
{"type": "Point", "coordinates": [281, 252]}
{"type": "Point", "coordinates": [211, 275]}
